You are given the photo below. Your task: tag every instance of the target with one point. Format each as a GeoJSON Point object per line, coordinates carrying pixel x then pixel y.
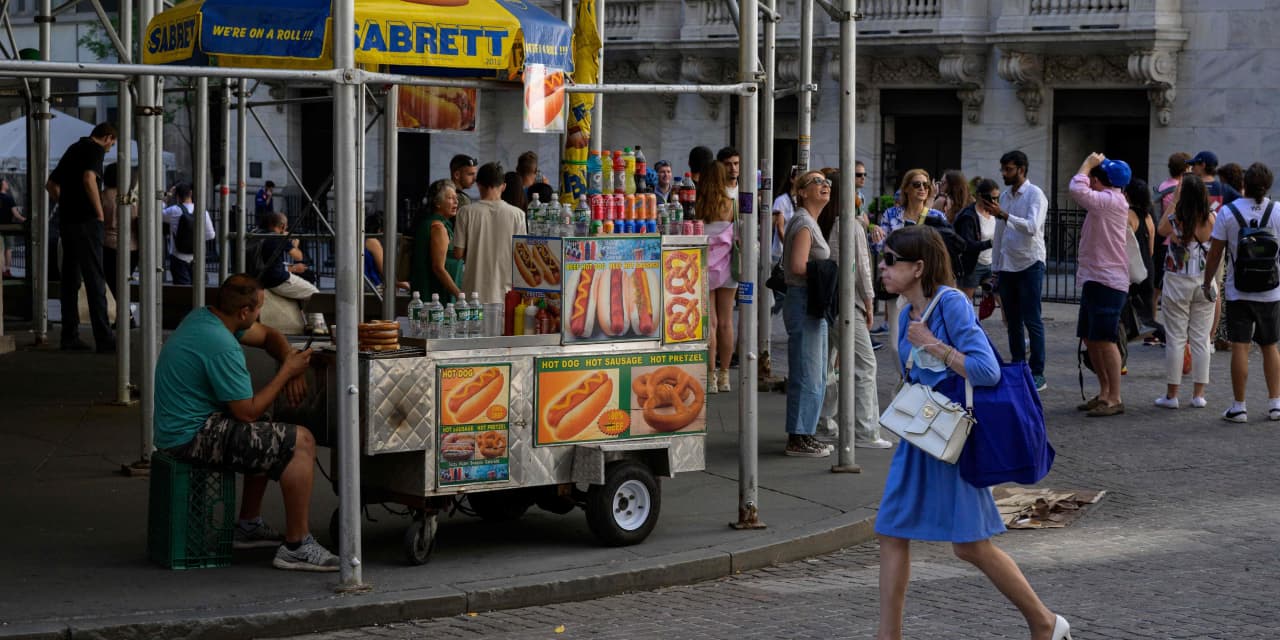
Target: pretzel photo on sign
{"type": "Point", "coordinates": [681, 272]}
{"type": "Point", "coordinates": [671, 398]}
{"type": "Point", "coordinates": [683, 318]}
{"type": "Point", "coordinates": [492, 444]}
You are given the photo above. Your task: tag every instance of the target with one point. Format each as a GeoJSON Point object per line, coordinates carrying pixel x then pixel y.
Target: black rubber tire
{"type": "Point", "coordinates": [420, 538]}
{"type": "Point", "coordinates": [499, 506]}
{"type": "Point", "coordinates": [604, 499]}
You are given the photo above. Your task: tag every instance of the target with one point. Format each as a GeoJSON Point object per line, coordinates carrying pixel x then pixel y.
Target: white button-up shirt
{"type": "Point", "coordinates": [1019, 242]}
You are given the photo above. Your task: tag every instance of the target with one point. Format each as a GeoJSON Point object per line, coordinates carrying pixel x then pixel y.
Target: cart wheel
{"type": "Point", "coordinates": [334, 529]}
{"type": "Point", "coordinates": [420, 538]}
{"type": "Point", "coordinates": [499, 506]}
{"type": "Point", "coordinates": [624, 510]}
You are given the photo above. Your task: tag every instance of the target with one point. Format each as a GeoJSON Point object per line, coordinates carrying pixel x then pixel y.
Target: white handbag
{"type": "Point", "coordinates": [928, 419]}
{"type": "Point", "coordinates": [1137, 270]}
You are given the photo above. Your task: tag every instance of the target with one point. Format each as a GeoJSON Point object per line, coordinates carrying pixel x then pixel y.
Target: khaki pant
{"type": "Point", "coordinates": [866, 404]}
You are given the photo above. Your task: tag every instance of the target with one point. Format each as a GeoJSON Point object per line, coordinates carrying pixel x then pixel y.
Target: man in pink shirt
{"type": "Point", "coordinates": [1104, 273]}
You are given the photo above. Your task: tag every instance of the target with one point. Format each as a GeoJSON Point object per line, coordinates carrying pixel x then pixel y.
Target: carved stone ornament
{"type": "Point", "coordinates": [659, 69]}
{"type": "Point", "coordinates": [1087, 70]}
{"type": "Point", "coordinates": [1026, 72]}
{"type": "Point", "coordinates": [705, 70]}
{"type": "Point", "coordinates": [1157, 70]}
{"type": "Point", "coordinates": [620, 71]}
{"type": "Point", "coordinates": [905, 71]}
{"type": "Point", "coordinates": [788, 69]}
{"type": "Point", "coordinates": [669, 101]}
{"type": "Point", "coordinates": [965, 70]}
{"type": "Point", "coordinates": [863, 96]}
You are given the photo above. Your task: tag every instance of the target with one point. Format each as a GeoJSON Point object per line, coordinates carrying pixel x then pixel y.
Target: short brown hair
{"type": "Point", "coordinates": [1257, 181]}
{"type": "Point", "coordinates": [527, 163]}
{"type": "Point", "coordinates": [921, 242]}
{"type": "Point", "coordinates": [238, 291]}
{"type": "Point", "coordinates": [1179, 163]}
{"type": "Point", "coordinates": [104, 130]}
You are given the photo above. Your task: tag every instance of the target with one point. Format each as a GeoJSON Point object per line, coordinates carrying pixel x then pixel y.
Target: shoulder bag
{"type": "Point", "coordinates": [927, 418]}
{"type": "Point", "coordinates": [1137, 270]}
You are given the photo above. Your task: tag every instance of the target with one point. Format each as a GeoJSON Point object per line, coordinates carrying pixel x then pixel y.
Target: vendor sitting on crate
{"type": "Point", "coordinates": [206, 412]}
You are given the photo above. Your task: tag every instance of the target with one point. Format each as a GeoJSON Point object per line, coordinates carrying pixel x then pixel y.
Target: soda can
{"type": "Point", "coordinates": [619, 206]}
{"type": "Point", "coordinates": [652, 201]}
{"type": "Point", "coordinates": [597, 207]}
{"type": "Point", "coordinates": [686, 228]}
{"type": "Point", "coordinates": [698, 228]}
{"type": "Point", "coordinates": [629, 207]}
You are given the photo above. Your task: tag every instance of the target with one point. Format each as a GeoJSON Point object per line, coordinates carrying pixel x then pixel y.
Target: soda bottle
{"type": "Point", "coordinates": [449, 321]}
{"type": "Point", "coordinates": [688, 194]}
{"type": "Point", "coordinates": [642, 172]}
{"type": "Point", "coordinates": [628, 170]}
{"type": "Point", "coordinates": [619, 173]}
{"type": "Point", "coordinates": [606, 172]}
{"type": "Point", "coordinates": [435, 317]}
{"type": "Point", "coordinates": [415, 315]}
{"type": "Point", "coordinates": [594, 176]}
{"type": "Point", "coordinates": [509, 304]}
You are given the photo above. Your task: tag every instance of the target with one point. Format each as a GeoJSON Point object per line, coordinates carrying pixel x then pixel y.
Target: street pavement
{"type": "Point", "coordinates": [1182, 546]}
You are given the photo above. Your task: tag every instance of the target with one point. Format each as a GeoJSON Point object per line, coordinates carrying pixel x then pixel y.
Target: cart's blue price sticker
{"type": "Point", "coordinates": [746, 292]}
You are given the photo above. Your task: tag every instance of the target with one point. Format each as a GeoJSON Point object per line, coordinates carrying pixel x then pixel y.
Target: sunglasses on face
{"type": "Point", "coordinates": [818, 181]}
{"type": "Point", "coordinates": [919, 185]}
{"type": "Point", "coordinates": [891, 258]}
{"type": "Point", "coordinates": [860, 174]}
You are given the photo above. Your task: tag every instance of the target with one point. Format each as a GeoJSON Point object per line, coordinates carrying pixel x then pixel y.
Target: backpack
{"type": "Point", "coordinates": [1255, 262]}
{"type": "Point", "coordinates": [257, 260]}
{"type": "Point", "coordinates": [956, 245]}
{"type": "Point", "coordinates": [182, 240]}
{"type": "Point", "coordinates": [1159, 198]}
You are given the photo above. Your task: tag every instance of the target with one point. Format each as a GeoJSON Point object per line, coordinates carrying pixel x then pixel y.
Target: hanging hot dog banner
{"type": "Point", "coordinates": [474, 405]}
{"type": "Point", "coordinates": [684, 294]}
{"type": "Point", "coordinates": [544, 99]}
{"type": "Point", "coordinates": [611, 289]}
{"type": "Point", "coordinates": [436, 109]}
{"type": "Point", "coordinates": [591, 398]}
{"type": "Point", "coordinates": [536, 262]}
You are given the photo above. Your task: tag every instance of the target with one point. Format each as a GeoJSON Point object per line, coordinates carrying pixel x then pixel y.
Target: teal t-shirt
{"type": "Point", "coordinates": [200, 369]}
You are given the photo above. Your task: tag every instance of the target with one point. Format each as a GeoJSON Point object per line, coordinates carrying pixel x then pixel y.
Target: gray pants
{"type": "Point", "coordinates": [866, 404]}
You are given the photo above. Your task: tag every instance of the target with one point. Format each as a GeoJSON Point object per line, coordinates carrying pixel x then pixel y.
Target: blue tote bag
{"type": "Point", "coordinates": [1008, 442]}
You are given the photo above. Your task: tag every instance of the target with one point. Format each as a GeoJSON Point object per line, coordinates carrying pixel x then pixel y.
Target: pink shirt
{"type": "Point", "coordinates": [1101, 255]}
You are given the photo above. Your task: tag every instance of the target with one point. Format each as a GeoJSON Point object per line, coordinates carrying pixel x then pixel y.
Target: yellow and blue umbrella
{"type": "Point", "coordinates": [471, 38]}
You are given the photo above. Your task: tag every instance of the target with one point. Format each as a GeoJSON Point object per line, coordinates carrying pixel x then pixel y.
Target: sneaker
{"type": "Point", "coordinates": [827, 428]}
{"type": "Point", "coordinates": [1105, 410]}
{"type": "Point", "coordinates": [712, 385]}
{"type": "Point", "coordinates": [876, 346]}
{"type": "Point", "coordinates": [800, 446]}
{"type": "Point", "coordinates": [722, 380]}
{"type": "Point", "coordinates": [1199, 402]}
{"type": "Point", "coordinates": [256, 537]}
{"type": "Point", "coordinates": [1273, 414]}
{"type": "Point", "coordinates": [1089, 405]}
{"type": "Point", "coordinates": [882, 329]}
{"type": "Point", "coordinates": [309, 556]}
{"type": "Point", "coordinates": [1041, 383]}
{"type": "Point", "coordinates": [1167, 402]}
{"type": "Point", "coordinates": [1235, 416]}
{"type": "Point", "coordinates": [878, 443]}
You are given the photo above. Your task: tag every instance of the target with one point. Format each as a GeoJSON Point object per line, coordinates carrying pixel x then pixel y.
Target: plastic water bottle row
{"type": "Point", "coordinates": [435, 321]}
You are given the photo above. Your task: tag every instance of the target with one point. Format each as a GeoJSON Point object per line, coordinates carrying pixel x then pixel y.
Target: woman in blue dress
{"type": "Point", "coordinates": [925, 498]}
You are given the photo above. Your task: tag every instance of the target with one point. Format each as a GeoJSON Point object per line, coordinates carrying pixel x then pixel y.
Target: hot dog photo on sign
{"type": "Point", "coordinates": [579, 405]}
{"type": "Point", "coordinates": [474, 394]}
{"type": "Point", "coordinates": [544, 99]}
{"type": "Point", "coordinates": [616, 294]}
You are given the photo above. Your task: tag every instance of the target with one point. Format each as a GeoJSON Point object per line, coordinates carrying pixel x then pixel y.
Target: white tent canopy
{"type": "Point", "coordinates": [64, 130]}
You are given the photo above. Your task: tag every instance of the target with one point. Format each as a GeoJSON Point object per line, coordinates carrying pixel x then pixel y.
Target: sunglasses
{"type": "Point", "coordinates": [818, 181]}
{"type": "Point", "coordinates": [891, 258]}
{"type": "Point", "coordinates": [860, 174]}
{"type": "Point", "coordinates": [919, 185]}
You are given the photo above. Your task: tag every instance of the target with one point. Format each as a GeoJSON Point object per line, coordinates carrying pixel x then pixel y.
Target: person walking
{"type": "Point", "coordinates": [806, 334]}
{"type": "Point", "coordinates": [1186, 312]}
{"type": "Point", "coordinates": [925, 498]}
{"type": "Point", "coordinates": [1017, 258]}
{"type": "Point", "coordinates": [1252, 307]}
{"type": "Point", "coordinates": [1104, 272]}
{"type": "Point", "coordinates": [181, 249]}
{"type": "Point", "coordinates": [716, 210]}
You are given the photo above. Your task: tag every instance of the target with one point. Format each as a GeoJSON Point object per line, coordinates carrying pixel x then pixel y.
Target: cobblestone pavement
{"type": "Point", "coordinates": [1183, 546]}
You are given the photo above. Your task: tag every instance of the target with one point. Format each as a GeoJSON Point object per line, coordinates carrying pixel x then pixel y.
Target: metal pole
{"type": "Point", "coordinates": [124, 219]}
{"type": "Point", "coordinates": [597, 111]}
{"type": "Point", "coordinates": [390, 221]}
{"type": "Point", "coordinates": [242, 169]}
{"type": "Point", "coordinates": [765, 306]}
{"type": "Point", "coordinates": [748, 394]}
{"type": "Point", "coordinates": [39, 199]}
{"type": "Point", "coordinates": [848, 251]}
{"type": "Point", "coordinates": [198, 278]}
{"type": "Point", "coordinates": [150, 267]}
{"type": "Point", "coordinates": [224, 190]}
{"type": "Point", "coordinates": [806, 84]}
{"type": "Point", "coordinates": [346, 257]}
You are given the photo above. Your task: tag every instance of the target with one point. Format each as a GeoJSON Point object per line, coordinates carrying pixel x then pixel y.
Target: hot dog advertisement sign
{"type": "Point", "coordinates": [611, 289]}
{"type": "Point", "coordinates": [591, 398]}
{"type": "Point", "coordinates": [474, 407]}
{"type": "Point", "coordinates": [536, 264]}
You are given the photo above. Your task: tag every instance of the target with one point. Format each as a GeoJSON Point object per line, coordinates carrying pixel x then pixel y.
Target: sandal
{"type": "Point", "coordinates": [1090, 405]}
{"type": "Point", "coordinates": [1104, 410]}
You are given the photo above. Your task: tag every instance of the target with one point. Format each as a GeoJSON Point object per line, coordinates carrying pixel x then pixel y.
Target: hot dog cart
{"type": "Point", "coordinates": [590, 416]}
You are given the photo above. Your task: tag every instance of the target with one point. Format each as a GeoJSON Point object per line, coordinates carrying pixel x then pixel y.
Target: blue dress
{"type": "Point", "coordinates": [925, 498]}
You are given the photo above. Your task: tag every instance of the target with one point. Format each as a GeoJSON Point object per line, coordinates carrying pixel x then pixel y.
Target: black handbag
{"type": "Point", "coordinates": [777, 279]}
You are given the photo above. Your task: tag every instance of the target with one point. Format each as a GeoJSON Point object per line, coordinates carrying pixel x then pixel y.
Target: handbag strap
{"type": "Point", "coordinates": [968, 386]}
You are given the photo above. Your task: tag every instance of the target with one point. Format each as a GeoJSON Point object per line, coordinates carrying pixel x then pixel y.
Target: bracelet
{"type": "Point", "coordinates": [947, 360]}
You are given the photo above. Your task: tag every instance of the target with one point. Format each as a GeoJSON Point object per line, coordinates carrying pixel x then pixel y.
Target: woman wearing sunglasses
{"type": "Point", "coordinates": [914, 195]}
{"type": "Point", "coordinates": [806, 335]}
{"type": "Point", "coordinates": [925, 498]}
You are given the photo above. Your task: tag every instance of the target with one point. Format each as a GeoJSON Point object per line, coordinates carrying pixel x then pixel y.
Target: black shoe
{"type": "Point", "coordinates": [107, 347]}
{"type": "Point", "coordinates": [76, 345]}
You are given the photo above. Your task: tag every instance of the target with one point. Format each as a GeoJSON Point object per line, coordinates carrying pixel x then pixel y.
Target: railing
{"type": "Point", "coordinates": [1077, 7]}
{"type": "Point", "coordinates": [900, 9]}
{"type": "Point", "coordinates": [621, 18]}
{"type": "Point", "coordinates": [1062, 238]}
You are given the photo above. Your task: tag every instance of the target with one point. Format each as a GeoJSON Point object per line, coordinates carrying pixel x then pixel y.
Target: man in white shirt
{"type": "Point", "coordinates": [1252, 315]}
{"type": "Point", "coordinates": [179, 259]}
{"type": "Point", "coordinates": [1017, 258]}
{"type": "Point", "coordinates": [733, 164]}
{"type": "Point", "coordinates": [482, 237]}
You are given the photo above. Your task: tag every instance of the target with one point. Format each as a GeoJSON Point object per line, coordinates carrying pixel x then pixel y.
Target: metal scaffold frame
{"type": "Point", "coordinates": [348, 83]}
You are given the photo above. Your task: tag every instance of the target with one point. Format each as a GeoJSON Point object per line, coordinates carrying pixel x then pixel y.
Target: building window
{"type": "Point", "coordinates": [255, 169]}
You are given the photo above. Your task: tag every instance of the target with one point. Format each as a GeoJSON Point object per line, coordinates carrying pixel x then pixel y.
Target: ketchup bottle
{"type": "Point", "coordinates": [509, 316]}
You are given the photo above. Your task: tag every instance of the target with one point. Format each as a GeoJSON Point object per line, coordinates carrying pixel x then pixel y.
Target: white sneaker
{"type": "Point", "coordinates": [1167, 402]}
{"type": "Point", "coordinates": [722, 380]}
{"type": "Point", "coordinates": [878, 443]}
{"type": "Point", "coordinates": [1235, 416]}
{"type": "Point", "coordinates": [1199, 402]}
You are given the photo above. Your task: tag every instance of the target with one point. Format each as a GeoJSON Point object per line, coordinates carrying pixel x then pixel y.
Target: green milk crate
{"type": "Point", "coordinates": [191, 514]}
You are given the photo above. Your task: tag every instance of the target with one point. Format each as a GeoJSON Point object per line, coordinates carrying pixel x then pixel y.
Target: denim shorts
{"type": "Point", "coordinates": [1100, 308]}
{"type": "Point", "coordinates": [975, 278]}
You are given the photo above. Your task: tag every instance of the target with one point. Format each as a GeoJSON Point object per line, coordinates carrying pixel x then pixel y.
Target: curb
{"type": "Point", "coordinates": [341, 612]}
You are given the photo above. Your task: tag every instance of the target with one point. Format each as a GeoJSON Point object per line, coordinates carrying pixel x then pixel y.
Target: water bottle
{"type": "Point", "coordinates": [629, 170]}
{"type": "Point", "coordinates": [619, 173]}
{"type": "Point", "coordinates": [462, 327]}
{"type": "Point", "coordinates": [642, 172]}
{"type": "Point", "coordinates": [435, 317]}
{"type": "Point", "coordinates": [449, 322]}
{"type": "Point", "coordinates": [566, 221]}
{"type": "Point", "coordinates": [477, 316]}
{"type": "Point", "coordinates": [415, 315]}
{"type": "Point", "coordinates": [595, 178]}
{"type": "Point", "coordinates": [582, 217]}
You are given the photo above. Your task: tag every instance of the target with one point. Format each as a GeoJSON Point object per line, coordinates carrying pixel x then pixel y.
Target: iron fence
{"type": "Point", "coordinates": [1062, 238]}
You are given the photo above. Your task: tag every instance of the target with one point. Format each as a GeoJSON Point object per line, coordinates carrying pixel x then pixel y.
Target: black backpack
{"type": "Point", "coordinates": [956, 245]}
{"type": "Point", "coordinates": [1255, 263]}
{"type": "Point", "coordinates": [186, 228]}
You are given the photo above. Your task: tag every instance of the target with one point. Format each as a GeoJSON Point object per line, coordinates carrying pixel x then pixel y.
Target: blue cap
{"type": "Point", "coordinates": [1118, 172]}
{"type": "Point", "coordinates": [1208, 158]}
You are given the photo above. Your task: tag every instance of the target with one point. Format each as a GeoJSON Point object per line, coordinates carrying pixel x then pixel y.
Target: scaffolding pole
{"type": "Point", "coordinates": [125, 203]}
{"type": "Point", "coordinates": [807, 87]}
{"type": "Point", "coordinates": [765, 305]}
{"type": "Point", "coordinates": [390, 180]}
{"type": "Point", "coordinates": [198, 278]}
{"type": "Point", "coordinates": [242, 169]}
{"type": "Point", "coordinates": [224, 189]}
{"type": "Point", "coordinates": [39, 198]}
{"type": "Point", "coordinates": [150, 268]}
{"type": "Point", "coordinates": [848, 251]}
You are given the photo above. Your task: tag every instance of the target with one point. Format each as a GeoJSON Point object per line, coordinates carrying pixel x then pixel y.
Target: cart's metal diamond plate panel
{"type": "Point", "coordinates": [399, 405]}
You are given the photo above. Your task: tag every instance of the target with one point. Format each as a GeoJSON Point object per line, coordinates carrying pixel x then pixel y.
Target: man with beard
{"type": "Point", "coordinates": [1018, 256]}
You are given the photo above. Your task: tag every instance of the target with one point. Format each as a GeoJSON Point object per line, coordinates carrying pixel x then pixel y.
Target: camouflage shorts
{"type": "Point", "coordinates": [251, 448]}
